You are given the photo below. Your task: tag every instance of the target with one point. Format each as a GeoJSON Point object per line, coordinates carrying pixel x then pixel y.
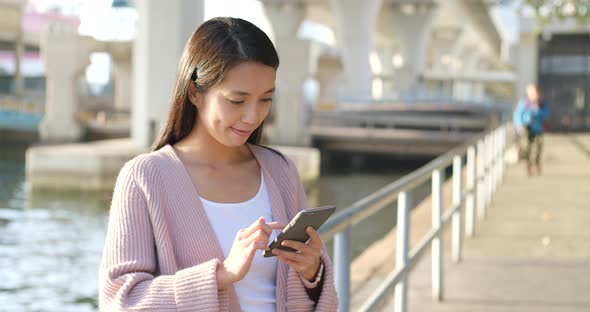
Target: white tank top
{"type": "Point", "coordinates": [256, 292]}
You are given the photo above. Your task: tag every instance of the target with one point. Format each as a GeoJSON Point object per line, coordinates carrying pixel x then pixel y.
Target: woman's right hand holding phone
{"type": "Point", "coordinates": [247, 242]}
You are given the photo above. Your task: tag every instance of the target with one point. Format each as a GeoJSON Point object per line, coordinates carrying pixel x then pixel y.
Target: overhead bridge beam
{"type": "Point", "coordinates": [480, 76]}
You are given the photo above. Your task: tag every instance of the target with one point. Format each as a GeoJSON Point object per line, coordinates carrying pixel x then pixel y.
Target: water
{"type": "Point", "coordinates": [51, 243]}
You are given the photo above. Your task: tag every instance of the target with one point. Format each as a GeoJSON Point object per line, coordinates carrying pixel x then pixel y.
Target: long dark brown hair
{"type": "Point", "coordinates": [217, 46]}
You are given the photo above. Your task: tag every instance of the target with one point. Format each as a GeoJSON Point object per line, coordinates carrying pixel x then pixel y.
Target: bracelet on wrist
{"type": "Point", "coordinates": [316, 281]}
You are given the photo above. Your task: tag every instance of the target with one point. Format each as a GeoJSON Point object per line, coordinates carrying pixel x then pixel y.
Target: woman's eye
{"type": "Point", "coordinates": [267, 100]}
{"type": "Point", "coordinates": [236, 102]}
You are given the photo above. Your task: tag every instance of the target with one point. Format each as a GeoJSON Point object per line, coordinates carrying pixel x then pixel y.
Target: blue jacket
{"type": "Point", "coordinates": [530, 117]}
{"type": "Point", "coordinates": [517, 116]}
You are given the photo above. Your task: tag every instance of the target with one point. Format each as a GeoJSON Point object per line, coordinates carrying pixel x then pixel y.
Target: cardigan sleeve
{"type": "Point", "coordinates": [297, 299]}
{"type": "Point", "coordinates": [128, 278]}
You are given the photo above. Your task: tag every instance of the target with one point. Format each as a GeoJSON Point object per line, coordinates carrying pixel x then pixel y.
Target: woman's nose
{"type": "Point", "coordinates": [250, 115]}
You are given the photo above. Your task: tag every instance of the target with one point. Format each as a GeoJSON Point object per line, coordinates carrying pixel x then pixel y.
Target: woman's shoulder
{"type": "Point", "coordinates": [146, 164]}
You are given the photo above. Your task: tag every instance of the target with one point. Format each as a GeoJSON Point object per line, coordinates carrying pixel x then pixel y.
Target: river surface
{"type": "Point", "coordinates": [51, 243]}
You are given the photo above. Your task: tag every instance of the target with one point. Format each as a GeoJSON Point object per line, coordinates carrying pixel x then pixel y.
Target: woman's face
{"type": "Point", "coordinates": [233, 109]}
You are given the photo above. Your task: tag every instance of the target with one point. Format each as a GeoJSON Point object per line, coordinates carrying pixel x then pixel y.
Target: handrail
{"type": "Point", "coordinates": [482, 181]}
{"type": "Point", "coordinates": [393, 121]}
{"type": "Point", "coordinates": [437, 99]}
{"type": "Point", "coordinates": [358, 211]}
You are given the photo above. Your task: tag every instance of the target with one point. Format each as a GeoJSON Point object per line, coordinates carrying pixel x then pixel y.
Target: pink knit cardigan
{"type": "Point", "coordinates": [161, 253]}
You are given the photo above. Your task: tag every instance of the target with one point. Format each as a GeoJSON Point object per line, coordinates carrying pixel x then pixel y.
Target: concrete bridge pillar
{"type": "Point", "coordinates": [412, 23]}
{"type": "Point", "coordinates": [440, 57]}
{"type": "Point", "coordinates": [473, 64]}
{"type": "Point", "coordinates": [526, 63]}
{"type": "Point", "coordinates": [461, 60]}
{"type": "Point", "coordinates": [478, 92]}
{"type": "Point", "coordinates": [19, 48]}
{"type": "Point", "coordinates": [296, 66]}
{"type": "Point", "coordinates": [386, 55]}
{"type": "Point", "coordinates": [64, 57]}
{"type": "Point", "coordinates": [163, 28]}
{"type": "Point", "coordinates": [121, 55]}
{"type": "Point", "coordinates": [329, 76]}
{"type": "Point", "coordinates": [355, 30]}
{"type": "Point", "coordinates": [441, 47]}
{"type": "Point", "coordinates": [466, 62]}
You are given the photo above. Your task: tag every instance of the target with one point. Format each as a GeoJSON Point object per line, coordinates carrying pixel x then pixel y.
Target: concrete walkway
{"type": "Point", "coordinates": [532, 253]}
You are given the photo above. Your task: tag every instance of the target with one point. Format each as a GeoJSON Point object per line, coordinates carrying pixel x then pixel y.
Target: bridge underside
{"type": "Point", "coordinates": [420, 129]}
{"type": "Point", "coordinates": [387, 141]}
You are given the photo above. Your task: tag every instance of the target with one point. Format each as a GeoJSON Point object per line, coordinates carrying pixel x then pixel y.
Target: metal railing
{"type": "Point", "coordinates": [484, 155]}
{"type": "Point", "coordinates": [422, 97]}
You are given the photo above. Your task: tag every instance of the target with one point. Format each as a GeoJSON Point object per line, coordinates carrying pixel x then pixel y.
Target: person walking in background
{"type": "Point", "coordinates": [530, 119]}
{"type": "Point", "coordinates": [188, 221]}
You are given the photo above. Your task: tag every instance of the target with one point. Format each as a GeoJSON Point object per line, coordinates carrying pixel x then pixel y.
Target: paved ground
{"type": "Point", "coordinates": [532, 253]}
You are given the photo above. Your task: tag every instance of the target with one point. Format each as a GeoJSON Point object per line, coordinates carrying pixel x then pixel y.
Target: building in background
{"type": "Point", "coordinates": [557, 57]}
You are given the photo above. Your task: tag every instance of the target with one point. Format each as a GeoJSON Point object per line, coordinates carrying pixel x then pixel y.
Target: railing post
{"type": "Point", "coordinates": [457, 189]}
{"type": "Point", "coordinates": [437, 248]}
{"type": "Point", "coordinates": [494, 145]}
{"type": "Point", "coordinates": [486, 171]}
{"type": "Point", "coordinates": [489, 171]}
{"type": "Point", "coordinates": [342, 268]}
{"type": "Point", "coordinates": [470, 198]}
{"type": "Point", "coordinates": [502, 160]}
{"type": "Point", "coordinates": [480, 178]}
{"type": "Point", "coordinates": [402, 250]}
{"type": "Point", "coordinates": [499, 157]}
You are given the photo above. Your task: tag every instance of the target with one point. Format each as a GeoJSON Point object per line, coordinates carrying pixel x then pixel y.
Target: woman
{"type": "Point", "coordinates": [189, 220]}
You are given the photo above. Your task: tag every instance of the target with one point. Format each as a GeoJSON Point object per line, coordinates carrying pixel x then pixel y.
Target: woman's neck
{"type": "Point", "coordinates": [200, 147]}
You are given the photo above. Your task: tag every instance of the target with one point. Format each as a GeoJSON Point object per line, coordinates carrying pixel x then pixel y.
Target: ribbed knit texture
{"type": "Point", "coordinates": [161, 253]}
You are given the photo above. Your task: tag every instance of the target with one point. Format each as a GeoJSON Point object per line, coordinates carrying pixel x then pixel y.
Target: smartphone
{"type": "Point", "coordinates": [295, 230]}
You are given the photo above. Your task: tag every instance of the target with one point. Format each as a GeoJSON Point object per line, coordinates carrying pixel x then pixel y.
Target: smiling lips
{"type": "Point", "coordinates": [242, 133]}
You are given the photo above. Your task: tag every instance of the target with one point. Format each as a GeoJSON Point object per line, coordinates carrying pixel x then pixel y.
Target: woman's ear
{"type": "Point", "coordinates": [195, 97]}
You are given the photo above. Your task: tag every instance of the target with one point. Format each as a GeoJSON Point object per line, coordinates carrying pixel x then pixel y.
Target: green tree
{"type": "Point", "coordinates": [547, 11]}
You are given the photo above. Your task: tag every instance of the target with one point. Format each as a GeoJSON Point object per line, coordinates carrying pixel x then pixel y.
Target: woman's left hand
{"type": "Point", "coordinates": [306, 261]}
